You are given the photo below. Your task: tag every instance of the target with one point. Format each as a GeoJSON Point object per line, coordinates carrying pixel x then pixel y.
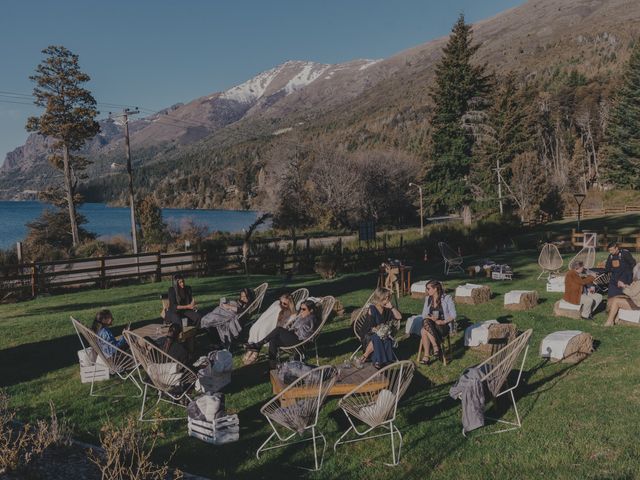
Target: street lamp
{"type": "Point", "coordinates": [421, 214]}
{"type": "Point", "coordinates": [579, 198]}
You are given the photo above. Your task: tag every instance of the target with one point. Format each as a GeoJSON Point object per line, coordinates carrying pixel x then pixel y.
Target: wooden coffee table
{"type": "Point", "coordinates": [159, 330]}
{"type": "Point", "coordinates": [349, 379]}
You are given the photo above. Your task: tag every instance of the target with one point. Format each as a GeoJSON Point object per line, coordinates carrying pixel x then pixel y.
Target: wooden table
{"type": "Point", "coordinates": [349, 379]}
{"type": "Point", "coordinates": [159, 330]}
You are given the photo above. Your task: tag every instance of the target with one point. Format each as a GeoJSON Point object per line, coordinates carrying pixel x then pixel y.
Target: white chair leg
{"type": "Point", "coordinates": [339, 441]}
{"type": "Point", "coordinates": [264, 444]}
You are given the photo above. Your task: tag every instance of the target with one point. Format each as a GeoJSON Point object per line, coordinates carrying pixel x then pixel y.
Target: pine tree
{"type": "Point", "coordinates": [458, 87]}
{"type": "Point", "coordinates": [622, 150]}
{"type": "Point", "coordinates": [69, 118]}
{"type": "Point", "coordinates": [154, 230]}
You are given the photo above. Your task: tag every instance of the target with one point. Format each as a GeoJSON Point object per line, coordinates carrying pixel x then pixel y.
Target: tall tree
{"type": "Point", "coordinates": [459, 86]}
{"type": "Point", "coordinates": [622, 164]}
{"type": "Point", "coordinates": [69, 118]}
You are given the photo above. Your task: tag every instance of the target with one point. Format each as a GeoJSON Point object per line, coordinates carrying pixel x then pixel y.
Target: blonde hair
{"type": "Point", "coordinates": [381, 296]}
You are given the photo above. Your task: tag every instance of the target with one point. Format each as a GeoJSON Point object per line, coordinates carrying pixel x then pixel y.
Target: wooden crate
{"type": "Point", "coordinates": [93, 373]}
{"type": "Point", "coordinates": [210, 432]}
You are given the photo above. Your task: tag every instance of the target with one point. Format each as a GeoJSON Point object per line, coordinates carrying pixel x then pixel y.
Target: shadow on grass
{"type": "Point", "coordinates": [40, 358]}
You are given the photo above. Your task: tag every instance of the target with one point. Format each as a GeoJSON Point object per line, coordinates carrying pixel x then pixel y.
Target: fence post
{"type": "Point", "coordinates": [204, 258]}
{"type": "Point", "coordinates": [34, 280]}
{"type": "Point", "coordinates": [158, 267]}
{"type": "Point", "coordinates": [103, 274]}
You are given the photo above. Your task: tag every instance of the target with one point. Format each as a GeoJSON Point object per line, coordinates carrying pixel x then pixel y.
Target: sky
{"type": "Point", "coordinates": [155, 53]}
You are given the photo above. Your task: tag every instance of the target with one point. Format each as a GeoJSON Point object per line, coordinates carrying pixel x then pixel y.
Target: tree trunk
{"type": "Point", "coordinates": [75, 238]}
{"type": "Point", "coordinates": [466, 215]}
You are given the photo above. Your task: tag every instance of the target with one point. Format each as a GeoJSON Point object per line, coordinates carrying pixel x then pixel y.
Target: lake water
{"type": "Point", "coordinates": [107, 221]}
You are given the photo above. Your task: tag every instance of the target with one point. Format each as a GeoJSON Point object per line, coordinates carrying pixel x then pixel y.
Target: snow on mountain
{"type": "Point", "coordinates": [293, 75]}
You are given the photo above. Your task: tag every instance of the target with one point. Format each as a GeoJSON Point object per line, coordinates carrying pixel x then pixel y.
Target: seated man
{"type": "Point", "coordinates": [574, 291]}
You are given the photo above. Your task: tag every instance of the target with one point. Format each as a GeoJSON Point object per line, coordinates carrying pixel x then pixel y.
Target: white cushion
{"type": "Point", "coordinates": [555, 284]}
{"type": "Point", "coordinates": [564, 305]}
{"type": "Point", "coordinates": [478, 333]}
{"type": "Point", "coordinates": [414, 325]}
{"type": "Point", "coordinates": [629, 315]}
{"type": "Point", "coordinates": [380, 410]}
{"type": "Point", "coordinates": [554, 344]}
{"type": "Point", "coordinates": [87, 357]}
{"type": "Point", "coordinates": [466, 289]}
{"type": "Point", "coordinates": [514, 296]}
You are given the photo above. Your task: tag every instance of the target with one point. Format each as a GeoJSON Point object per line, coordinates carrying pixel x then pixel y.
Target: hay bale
{"type": "Point", "coordinates": [338, 308]}
{"type": "Point", "coordinates": [528, 300]}
{"type": "Point", "coordinates": [562, 312]}
{"type": "Point", "coordinates": [479, 294]}
{"type": "Point", "coordinates": [578, 348]}
{"type": "Point", "coordinates": [500, 334]}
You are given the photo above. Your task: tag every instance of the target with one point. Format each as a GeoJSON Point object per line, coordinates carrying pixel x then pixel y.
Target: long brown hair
{"type": "Point", "coordinates": [437, 301]}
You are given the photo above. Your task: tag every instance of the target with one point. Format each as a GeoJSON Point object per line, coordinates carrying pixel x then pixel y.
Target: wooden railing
{"type": "Point", "coordinates": [628, 241]}
{"type": "Point", "coordinates": [598, 212]}
{"type": "Point", "coordinates": [43, 276]}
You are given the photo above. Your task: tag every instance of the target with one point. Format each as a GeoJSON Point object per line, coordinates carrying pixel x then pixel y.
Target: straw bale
{"type": "Point", "coordinates": [578, 348]}
{"type": "Point", "coordinates": [527, 301]}
{"type": "Point", "coordinates": [500, 334]}
{"type": "Point", "coordinates": [478, 296]}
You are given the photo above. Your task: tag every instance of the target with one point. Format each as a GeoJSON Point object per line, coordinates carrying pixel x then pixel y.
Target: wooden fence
{"type": "Point", "coordinates": [42, 277]}
{"type": "Point", "coordinates": [599, 212]}
{"type": "Point", "coordinates": [628, 241]}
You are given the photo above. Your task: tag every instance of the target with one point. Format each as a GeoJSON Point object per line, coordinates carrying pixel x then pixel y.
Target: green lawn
{"type": "Point", "coordinates": [579, 421]}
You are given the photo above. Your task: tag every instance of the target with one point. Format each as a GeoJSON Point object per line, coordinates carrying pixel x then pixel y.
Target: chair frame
{"type": "Point", "coordinates": [124, 372]}
{"type": "Point", "coordinates": [504, 367]}
{"type": "Point", "coordinates": [327, 307]}
{"type": "Point", "coordinates": [446, 339]}
{"type": "Point", "coordinates": [284, 439]}
{"type": "Point", "coordinates": [299, 296]}
{"type": "Point", "coordinates": [547, 271]}
{"type": "Point", "coordinates": [357, 322]}
{"type": "Point", "coordinates": [386, 424]}
{"type": "Point", "coordinates": [450, 264]}
{"type": "Point", "coordinates": [137, 343]}
{"type": "Point", "coordinates": [589, 253]}
{"type": "Point", "coordinates": [256, 305]}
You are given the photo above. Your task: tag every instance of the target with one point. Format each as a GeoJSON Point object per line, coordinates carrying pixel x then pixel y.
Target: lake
{"type": "Point", "coordinates": [107, 221]}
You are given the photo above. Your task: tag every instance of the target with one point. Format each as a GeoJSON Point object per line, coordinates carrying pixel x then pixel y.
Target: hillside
{"type": "Point", "coordinates": [238, 134]}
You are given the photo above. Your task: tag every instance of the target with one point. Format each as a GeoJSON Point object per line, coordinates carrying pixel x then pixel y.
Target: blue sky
{"type": "Point", "coordinates": [154, 53]}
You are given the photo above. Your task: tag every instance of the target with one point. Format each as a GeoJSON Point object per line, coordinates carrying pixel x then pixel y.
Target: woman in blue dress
{"type": "Point", "coordinates": [377, 329]}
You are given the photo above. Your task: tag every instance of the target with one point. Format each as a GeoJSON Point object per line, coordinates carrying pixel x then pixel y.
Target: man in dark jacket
{"type": "Point", "coordinates": [620, 263]}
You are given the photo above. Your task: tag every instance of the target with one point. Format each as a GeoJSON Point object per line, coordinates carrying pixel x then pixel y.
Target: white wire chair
{"type": "Point", "coordinates": [452, 259]}
{"type": "Point", "coordinates": [299, 296]}
{"type": "Point", "coordinates": [171, 379]}
{"type": "Point", "coordinates": [375, 403]}
{"type": "Point", "coordinates": [500, 365]}
{"type": "Point", "coordinates": [295, 410]}
{"type": "Point", "coordinates": [357, 323]}
{"type": "Point", "coordinates": [326, 305]}
{"type": "Point", "coordinates": [586, 255]}
{"type": "Point", "coordinates": [550, 260]}
{"type": "Point", "coordinates": [120, 363]}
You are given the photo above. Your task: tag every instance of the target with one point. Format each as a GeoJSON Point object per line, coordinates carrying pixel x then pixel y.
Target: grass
{"type": "Point", "coordinates": [579, 421]}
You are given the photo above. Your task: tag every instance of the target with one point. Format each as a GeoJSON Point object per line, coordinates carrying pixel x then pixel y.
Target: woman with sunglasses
{"type": "Point", "coordinates": [296, 329]}
{"type": "Point", "coordinates": [438, 314]}
{"type": "Point", "coordinates": [277, 315]}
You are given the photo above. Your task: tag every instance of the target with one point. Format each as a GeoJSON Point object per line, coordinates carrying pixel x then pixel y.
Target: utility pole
{"type": "Point", "coordinates": [134, 231]}
{"type": "Point", "coordinates": [498, 169]}
{"type": "Point", "coordinates": [421, 207]}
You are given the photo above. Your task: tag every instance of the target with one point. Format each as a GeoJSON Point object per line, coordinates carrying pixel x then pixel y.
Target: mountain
{"type": "Point", "coordinates": [357, 104]}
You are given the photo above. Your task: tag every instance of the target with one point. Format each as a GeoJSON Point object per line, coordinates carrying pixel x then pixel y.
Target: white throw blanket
{"type": "Point", "coordinates": [554, 344]}
{"type": "Point", "coordinates": [419, 287]}
{"type": "Point", "coordinates": [514, 296]}
{"type": "Point", "coordinates": [629, 315]}
{"type": "Point", "coordinates": [478, 334]}
{"type": "Point", "coordinates": [564, 305]}
{"type": "Point", "coordinates": [265, 323]}
{"type": "Point", "coordinates": [414, 325]}
{"type": "Point", "coordinates": [466, 289]}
